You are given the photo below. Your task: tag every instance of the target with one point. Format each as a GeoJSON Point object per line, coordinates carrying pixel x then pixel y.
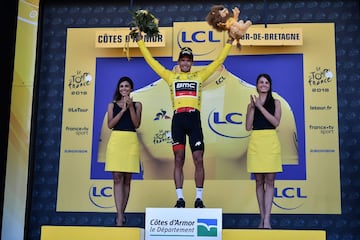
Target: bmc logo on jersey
{"type": "Point", "coordinates": [186, 89]}
{"type": "Point", "coordinates": [186, 86]}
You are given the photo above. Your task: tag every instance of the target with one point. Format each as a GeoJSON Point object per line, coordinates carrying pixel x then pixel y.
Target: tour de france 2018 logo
{"type": "Point", "coordinates": [162, 136]}
{"type": "Point", "coordinates": [319, 78]}
{"type": "Point", "coordinates": [78, 82]}
{"type": "Point", "coordinates": [207, 227]}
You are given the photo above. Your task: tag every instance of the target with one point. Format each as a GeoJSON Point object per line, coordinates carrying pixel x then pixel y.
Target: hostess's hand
{"type": "Point", "coordinates": [129, 102]}
{"type": "Point", "coordinates": [124, 105]}
{"type": "Point", "coordinates": [252, 101]}
{"type": "Point", "coordinates": [258, 103]}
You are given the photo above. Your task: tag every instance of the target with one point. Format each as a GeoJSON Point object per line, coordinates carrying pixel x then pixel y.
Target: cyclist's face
{"type": "Point", "coordinates": [185, 64]}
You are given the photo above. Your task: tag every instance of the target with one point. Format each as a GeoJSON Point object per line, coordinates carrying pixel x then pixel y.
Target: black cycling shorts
{"type": "Point", "coordinates": [187, 123]}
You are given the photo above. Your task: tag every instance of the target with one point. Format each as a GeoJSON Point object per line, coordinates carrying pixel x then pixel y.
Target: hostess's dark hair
{"type": "Point", "coordinates": [269, 102]}
{"type": "Point", "coordinates": [117, 96]}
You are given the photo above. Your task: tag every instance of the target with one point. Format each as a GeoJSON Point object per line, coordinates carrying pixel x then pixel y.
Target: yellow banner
{"type": "Point", "coordinates": [121, 38]}
{"type": "Point", "coordinates": [225, 97]}
{"type": "Point", "coordinates": [261, 36]}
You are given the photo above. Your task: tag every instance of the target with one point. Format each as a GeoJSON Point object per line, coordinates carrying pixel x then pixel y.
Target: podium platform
{"type": "Point", "coordinates": [272, 234]}
{"type": "Point", "coordinates": [91, 233]}
{"type": "Point", "coordinates": [131, 233]}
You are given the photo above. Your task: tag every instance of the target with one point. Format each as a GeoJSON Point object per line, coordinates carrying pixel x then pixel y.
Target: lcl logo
{"type": "Point", "coordinates": [294, 198]}
{"type": "Point", "coordinates": [197, 37]}
{"type": "Point", "coordinates": [99, 196]}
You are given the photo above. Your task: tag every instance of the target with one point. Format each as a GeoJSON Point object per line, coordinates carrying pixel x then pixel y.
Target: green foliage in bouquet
{"type": "Point", "coordinates": [145, 22]}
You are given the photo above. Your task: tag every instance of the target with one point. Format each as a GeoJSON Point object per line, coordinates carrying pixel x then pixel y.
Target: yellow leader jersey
{"type": "Point", "coordinates": [185, 88]}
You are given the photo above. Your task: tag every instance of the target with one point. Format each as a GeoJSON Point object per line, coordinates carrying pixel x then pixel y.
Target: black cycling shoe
{"type": "Point", "coordinates": [199, 203]}
{"type": "Point", "coordinates": [180, 203]}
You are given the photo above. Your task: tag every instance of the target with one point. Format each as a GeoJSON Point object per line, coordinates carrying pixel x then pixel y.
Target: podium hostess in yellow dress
{"type": "Point", "coordinates": [264, 150]}
{"type": "Point", "coordinates": [122, 153]}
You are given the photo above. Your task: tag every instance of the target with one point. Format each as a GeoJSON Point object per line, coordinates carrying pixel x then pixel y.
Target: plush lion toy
{"type": "Point", "coordinates": [222, 20]}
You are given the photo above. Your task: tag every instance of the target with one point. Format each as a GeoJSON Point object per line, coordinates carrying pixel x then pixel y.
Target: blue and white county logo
{"type": "Point", "coordinates": [207, 227]}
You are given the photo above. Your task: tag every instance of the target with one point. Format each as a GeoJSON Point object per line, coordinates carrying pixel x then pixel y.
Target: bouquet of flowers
{"type": "Point", "coordinates": [145, 22]}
